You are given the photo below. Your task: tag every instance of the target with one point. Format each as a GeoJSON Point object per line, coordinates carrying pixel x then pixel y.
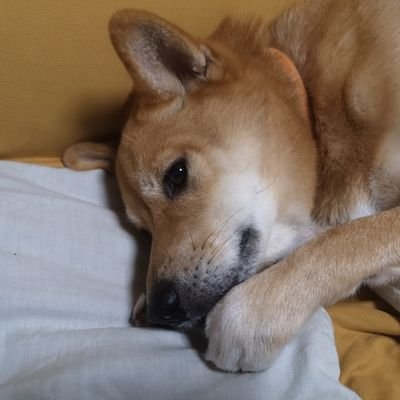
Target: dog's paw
{"type": "Point", "coordinates": [236, 343]}
{"type": "Point", "coordinates": [249, 327]}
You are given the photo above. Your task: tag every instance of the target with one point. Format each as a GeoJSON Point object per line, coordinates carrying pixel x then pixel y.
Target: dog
{"type": "Point", "coordinates": [264, 162]}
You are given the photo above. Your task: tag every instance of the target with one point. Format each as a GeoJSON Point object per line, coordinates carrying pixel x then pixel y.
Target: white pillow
{"type": "Point", "coordinates": [69, 268]}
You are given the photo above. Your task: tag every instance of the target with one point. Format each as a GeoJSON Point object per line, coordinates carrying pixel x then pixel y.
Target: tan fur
{"type": "Point", "coordinates": [292, 128]}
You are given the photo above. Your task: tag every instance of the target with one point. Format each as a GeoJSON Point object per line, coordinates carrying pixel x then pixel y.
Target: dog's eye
{"type": "Point", "coordinates": [175, 178]}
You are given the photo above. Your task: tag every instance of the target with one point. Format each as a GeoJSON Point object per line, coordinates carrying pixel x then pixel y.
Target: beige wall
{"type": "Point", "coordinates": [60, 81]}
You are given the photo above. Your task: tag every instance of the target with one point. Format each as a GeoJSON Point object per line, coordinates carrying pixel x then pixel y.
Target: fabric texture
{"type": "Point", "coordinates": [367, 334]}
{"type": "Point", "coordinates": [390, 293]}
{"type": "Point", "coordinates": [60, 79]}
{"type": "Point", "coordinates": [70, 270]}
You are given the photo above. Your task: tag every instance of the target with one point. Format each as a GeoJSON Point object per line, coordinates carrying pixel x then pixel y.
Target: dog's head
{"type": "Point", "coordinates": [216, 161]}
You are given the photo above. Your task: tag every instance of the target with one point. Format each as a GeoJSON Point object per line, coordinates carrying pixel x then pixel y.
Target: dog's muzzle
{"type": "Point", "coordinates": [185, 302]}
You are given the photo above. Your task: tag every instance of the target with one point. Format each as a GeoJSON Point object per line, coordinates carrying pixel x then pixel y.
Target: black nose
{"type": "Point", "coordinates": [164, 305]}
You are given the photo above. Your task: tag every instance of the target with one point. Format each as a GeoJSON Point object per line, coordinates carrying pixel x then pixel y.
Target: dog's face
{"type": "Point", "coordinates": [216, 161]}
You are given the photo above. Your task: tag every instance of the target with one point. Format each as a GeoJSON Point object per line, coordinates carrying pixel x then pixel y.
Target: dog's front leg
{"type": "Point", "coordinates": [252, 323]}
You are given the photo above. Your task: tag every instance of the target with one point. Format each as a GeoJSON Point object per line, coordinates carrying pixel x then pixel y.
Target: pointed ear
{"type": "Point", "coordinates": [162, 59]}
{"type": "Point", "coordinates": [285, 66]}
{"type": "Point", "coordinates": [89, 155]}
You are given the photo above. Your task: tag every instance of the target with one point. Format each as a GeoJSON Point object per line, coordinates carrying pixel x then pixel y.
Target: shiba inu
{"type": "Point", "coordinates": [263, 161]}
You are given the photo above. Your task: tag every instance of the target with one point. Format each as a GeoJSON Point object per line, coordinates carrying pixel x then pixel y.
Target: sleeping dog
{"type": "Point", "coordinates": [264, 162]}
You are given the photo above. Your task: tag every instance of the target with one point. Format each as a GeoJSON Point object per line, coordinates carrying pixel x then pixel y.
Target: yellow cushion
{"type": "Point", "coordinates": [61, 81]}
{"type": "Point", "coordinates": [367, 334]}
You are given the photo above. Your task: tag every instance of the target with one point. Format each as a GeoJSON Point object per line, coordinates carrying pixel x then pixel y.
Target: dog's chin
{"type": "Point", "coordinates": [195, 324]}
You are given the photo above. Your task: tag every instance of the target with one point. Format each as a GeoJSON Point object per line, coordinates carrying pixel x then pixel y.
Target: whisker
{"type": "Point", "coordinates": [191, 238]}
{"type": "Point", "coordinates": [268, 186]}
{"type": "Point", "coordinates": [233, 215]}
{"type": "Point", "coordinates": [166, 251]}
{"type": "Point", "coordinates": [210, 235]}
{"type": "Point", "coordinates": [219, 248]}
{"type": "Point", "coordinates": [226, 222]}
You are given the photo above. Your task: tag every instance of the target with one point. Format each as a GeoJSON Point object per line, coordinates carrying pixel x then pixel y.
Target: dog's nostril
{"type": "Point", "coordinates": [164, 307]}
{"type": "Point", "coordinates": [169, 303]}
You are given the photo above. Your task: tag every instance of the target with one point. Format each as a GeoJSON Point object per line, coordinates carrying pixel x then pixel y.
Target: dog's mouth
{"type": "Point", "coordinates": [194, 324]}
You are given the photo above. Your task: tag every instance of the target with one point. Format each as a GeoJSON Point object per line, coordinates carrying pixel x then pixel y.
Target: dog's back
{"type": "Point", "coordinates": [348, 53]}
